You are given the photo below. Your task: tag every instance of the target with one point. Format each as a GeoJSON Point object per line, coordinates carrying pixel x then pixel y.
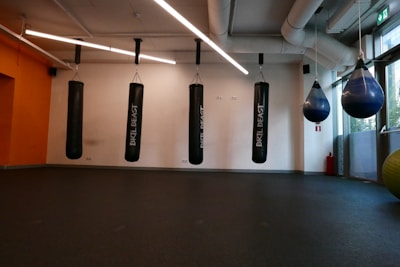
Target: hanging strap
{"type": "Point", "coordinates": [261, 62]}
{"type": "Point", "coordinates": [198, 48]}
{"type": "Point", "coordinates": [78, 49]}
{"type": "Point", "coordinates": [77, 60]}
{"type": "Point", "coordinates": [137, 50]}
{"type": "Point", "coordinates": [196, 78]}
{"type": "Point", "coordinates": [136, 77]}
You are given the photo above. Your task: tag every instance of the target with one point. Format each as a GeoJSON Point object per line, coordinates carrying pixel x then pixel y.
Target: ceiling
{"type": "Point", "coordinates": [116, 22]}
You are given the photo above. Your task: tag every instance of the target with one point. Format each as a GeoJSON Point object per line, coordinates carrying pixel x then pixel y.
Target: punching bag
{"type": "Point", "coordinates": [260, 122]}
{"type": "Point", "coordinates": [362, 96]}
{"type": "Point", "coordinates": [74, 120]}
{"type": "Point", "coordinates": [316, 107]}
{"type": "Point", "coordinates": [196, 124]}
{"type": "Point", "coordinates": [134, 122]}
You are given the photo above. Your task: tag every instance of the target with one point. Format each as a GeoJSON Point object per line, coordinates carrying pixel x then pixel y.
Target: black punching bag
{"type": "Point", "coordinates": [196, 124]}
{"type": "Point", "coordinates": [134, 122]}
{"type": "Point", "coordinates": [74, 120]}
{"type": "Point", "coordinates": [260, 122]}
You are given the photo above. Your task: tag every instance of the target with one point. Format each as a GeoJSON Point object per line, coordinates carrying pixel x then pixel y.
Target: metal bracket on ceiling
{"type": "Point", "coordinates": [58, 63]}
{"type": "Point", "coordinates": [73, 17]}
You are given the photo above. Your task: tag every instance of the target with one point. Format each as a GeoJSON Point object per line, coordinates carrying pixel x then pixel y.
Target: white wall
{"type": "Point", "coordinates": [317, 144]}
{"type": "Point", "coordinates": [228, 103]}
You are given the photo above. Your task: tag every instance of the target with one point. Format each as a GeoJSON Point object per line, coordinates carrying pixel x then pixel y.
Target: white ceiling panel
{"type": "Point", "coordinates": [259, 17]}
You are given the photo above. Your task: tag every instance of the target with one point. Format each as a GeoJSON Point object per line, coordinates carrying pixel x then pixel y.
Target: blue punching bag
{"type": "Point", "coordinates": [134, 122]}
{"type": "Point", "coordinates": [316, 107]}
{"type": "Point", "coordinates": [362, 96]}
{"type": "Point", "coordinates": [74, 120]}
{"type": "Point", "coordinates": [260, 122]}
{"type": "Point", "coordinates": [196, 123]}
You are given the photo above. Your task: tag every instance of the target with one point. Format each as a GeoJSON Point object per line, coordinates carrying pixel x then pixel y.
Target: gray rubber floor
{"type": "Point", "coordinates": [105, 217]}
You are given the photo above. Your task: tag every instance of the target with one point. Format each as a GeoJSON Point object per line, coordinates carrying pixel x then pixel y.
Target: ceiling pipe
{"type": "Point", "coordinates": [293, 30]}
{"type": "Point", "coordinates": [219, 12]}
{"type": "Point", "coordinates": [324, 61]}
{"type": "Point", "coordinates": [296, 40]}
{"type": "Point", "coordinates": [346, 15]}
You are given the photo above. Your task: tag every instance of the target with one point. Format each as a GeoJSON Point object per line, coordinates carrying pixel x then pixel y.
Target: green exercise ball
{"type": "Point", "coordinates": [391, 173]}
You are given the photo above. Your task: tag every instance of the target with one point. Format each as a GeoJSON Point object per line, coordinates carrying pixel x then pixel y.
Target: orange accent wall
{"type": "Point", "coordinates": [6, 94]}
{"type": "Point", "coordinates": [26, 87]}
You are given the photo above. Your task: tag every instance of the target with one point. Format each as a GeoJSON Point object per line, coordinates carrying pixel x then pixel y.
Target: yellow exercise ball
{"type": "Point", "coordinates": [391, 173]}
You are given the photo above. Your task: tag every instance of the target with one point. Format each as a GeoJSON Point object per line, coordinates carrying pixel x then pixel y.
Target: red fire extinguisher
{"type": "Point", "coordinates": [329, 165]}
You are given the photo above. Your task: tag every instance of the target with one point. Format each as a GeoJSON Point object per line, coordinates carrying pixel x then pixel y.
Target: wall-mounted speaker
{"type": "Point", "coordinates": [306, 69]}
{"type": "Point", "coordinates": [53, 72]}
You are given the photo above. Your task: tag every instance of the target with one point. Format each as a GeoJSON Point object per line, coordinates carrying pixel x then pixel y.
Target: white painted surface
{"type": "Point", "coordinates": [228, 103]}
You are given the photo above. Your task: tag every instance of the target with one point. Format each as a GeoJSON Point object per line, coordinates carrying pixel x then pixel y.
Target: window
{"type": "Point", "coordinates": [390, 39]}
{"type": "Point", "coordinates": [393, 94]}
{"type": "Point", "coordinates": [367, 124]}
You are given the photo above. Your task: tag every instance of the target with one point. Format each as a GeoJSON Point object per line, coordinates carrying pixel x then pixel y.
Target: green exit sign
{"type": "Point", "coordinates": [382, 16]}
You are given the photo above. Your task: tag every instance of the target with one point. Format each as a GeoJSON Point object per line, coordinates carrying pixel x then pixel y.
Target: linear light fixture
{"type": "Point", "coordinates": [201, 35]}
{"type": "Point", "coordinates": [96, 46]}
{"type": "Point", "coordinates": [56, 62]}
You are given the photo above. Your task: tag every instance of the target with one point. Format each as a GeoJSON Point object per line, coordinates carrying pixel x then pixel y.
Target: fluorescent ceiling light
{"type": "Point", "coordinates": [56, 62]}
{"type": "Point", "coordinates": [96, 46]}
{"type": "Point", "coordinates": [196, 31]}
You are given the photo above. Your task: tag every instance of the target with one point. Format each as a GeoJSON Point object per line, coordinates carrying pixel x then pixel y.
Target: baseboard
{"type": "Point", "coordinates": [15, 167]}
{"type": "Point", "coordinates": [173, 169]}
{"type": "Point", "coordinates": [311, 173]}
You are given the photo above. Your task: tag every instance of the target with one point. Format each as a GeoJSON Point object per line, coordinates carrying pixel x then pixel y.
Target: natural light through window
{"type": "Point", "coordinates": [390, 39]}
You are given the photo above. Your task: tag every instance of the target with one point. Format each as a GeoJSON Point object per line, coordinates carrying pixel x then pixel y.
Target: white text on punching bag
{"type": "Point", "coordinates": [260, 125]}
{"type": "Point", "coordinates": [133, 131]}
{"type": "Point", "coordinates": [201, 126]}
